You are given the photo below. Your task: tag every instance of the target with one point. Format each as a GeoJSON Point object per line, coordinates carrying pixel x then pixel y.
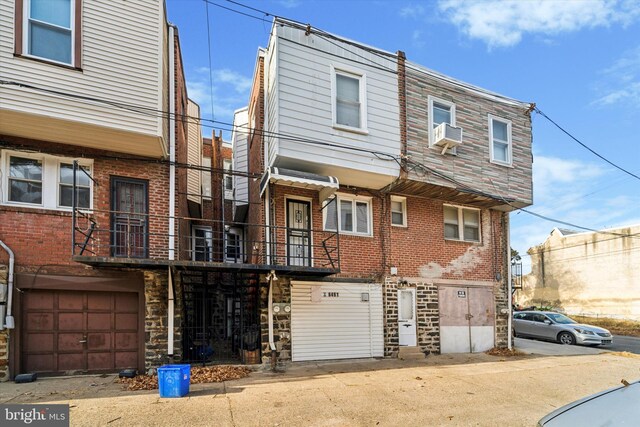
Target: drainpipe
{"type": "Point", "coordinates": [509, 285]}
{"type": "Point", "coordinates": [172, 183]}
{"type": "Point", "coordinates": [272, 345]}
{"type": "Point", "coordinates": [8, 321]}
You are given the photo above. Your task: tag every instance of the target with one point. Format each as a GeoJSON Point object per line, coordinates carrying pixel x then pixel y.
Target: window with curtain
{"type": "Point", "coordinates": [353, 216]}
{"type": "Point", "coordinates": [461, 224]}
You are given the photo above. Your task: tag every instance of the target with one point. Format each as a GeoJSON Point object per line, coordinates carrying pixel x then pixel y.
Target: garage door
{"type": "Point", "coordinates": [75, 331]}
{"type": "Point", "coordinates": [336, 321]}
{"type": "Point", "coordinates": [467, 319]}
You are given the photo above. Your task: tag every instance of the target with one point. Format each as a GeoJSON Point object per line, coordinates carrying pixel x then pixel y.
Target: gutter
{"type": "Point", "coordinates": [172, 184]}
{"type": "Point", "coordinates": [8, 322]}
{"type": "Point", "coordinates": [509, 286]}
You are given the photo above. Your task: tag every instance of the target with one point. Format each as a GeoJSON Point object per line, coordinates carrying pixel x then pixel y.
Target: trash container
{"type": "Point", "coordinates": [173, 380]}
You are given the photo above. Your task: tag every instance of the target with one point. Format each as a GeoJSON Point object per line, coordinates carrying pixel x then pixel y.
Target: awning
{"type": "Point", "coordinates": [325, 185]}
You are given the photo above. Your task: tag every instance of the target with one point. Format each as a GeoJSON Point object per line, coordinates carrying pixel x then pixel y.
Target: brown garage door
{"type": "Point", "coordinates": [76, 331]}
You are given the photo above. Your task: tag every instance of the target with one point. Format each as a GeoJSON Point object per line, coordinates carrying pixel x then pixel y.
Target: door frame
{"type": "Point", "coordinates": [415, 316]}
{"type": "Point", "coordinates": [309, 202]}
{"type": "Point", "coordinates": [112, 190]}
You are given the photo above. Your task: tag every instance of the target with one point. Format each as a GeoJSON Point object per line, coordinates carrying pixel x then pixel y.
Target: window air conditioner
{"type": "Point", "coordinates": [447, 136]}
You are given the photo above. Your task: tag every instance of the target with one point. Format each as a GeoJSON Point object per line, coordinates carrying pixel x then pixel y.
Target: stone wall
{"type": "Point", "coordinates": [427, 315]}
{"type": "Point", "coordinates": [281, 321]}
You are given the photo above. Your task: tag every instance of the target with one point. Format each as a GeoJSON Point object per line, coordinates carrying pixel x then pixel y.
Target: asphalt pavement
{"type": "Point", "coordinates": [547, 348]}
{"type": "Point", "coordinates": [622, 343]}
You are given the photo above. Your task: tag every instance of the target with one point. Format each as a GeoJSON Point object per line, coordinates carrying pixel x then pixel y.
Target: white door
{"type": "Point", "coordinates": [336, 321]}
{"type": "Point", "coordinates": [407, 317]}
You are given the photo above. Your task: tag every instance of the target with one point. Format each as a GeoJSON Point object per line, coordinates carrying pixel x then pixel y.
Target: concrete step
{"type": "Point", "coordinates": [410, 353]}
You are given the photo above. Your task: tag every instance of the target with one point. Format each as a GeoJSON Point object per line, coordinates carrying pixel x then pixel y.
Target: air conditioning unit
{"type": "Point", "coordinates": [447, 136]}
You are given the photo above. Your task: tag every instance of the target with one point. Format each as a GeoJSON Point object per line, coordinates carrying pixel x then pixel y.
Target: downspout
{"type": "Point", "coordinates": [8, 321]}
{"type": "Point", "coordinates": [272, 345]}
{"type": "Point", "coordinates": [172, 184]}
{"type": "Point", "coordinates": [509, 285]}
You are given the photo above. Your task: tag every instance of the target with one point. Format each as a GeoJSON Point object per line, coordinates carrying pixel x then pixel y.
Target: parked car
{"type": "Point", "coordinates": [614, 407]}
{"type": "Point", "coordinates": [552, 326]}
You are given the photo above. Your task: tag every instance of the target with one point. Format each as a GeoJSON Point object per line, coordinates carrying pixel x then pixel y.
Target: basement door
{"type": "Point", "coordinates": [336, 321]}
{"type": "Point", "coordinates": [467, 319]}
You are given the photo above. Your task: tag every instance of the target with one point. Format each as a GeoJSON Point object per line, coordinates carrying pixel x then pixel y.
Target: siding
{"type": "Point", "coordinates": [121, 49]}
{"type": "Point", "coordinates": [304, 103]}
{"type": "Point", "coordinates": [240, 159]}
{"type": "Point", "coordinates": [336, 327]}
{"type": "Point", "coordinates": [194, 153]}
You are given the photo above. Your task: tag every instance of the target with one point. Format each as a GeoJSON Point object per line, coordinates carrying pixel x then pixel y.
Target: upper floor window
{"type": "Point", "coordinates": [353, 215]}
{"type": "Point", "coordinates": [49, 29]}
{"type": "Point", "coordinates": [206, 176]}
{"type": "Point", "coordinates": [440, 111]}
{"type": "Point", "coordinates": [228, 179]}
{"type": "Point", "coordinates": [45, 181]}
{"type": "Point", "coordinates": [348, 90]}
{"type": "Point", "coordinates": [398, 211]}
{"type": "Point", "coordinates": [461, 224]}
{"type": "Point", "coordinates": [500, 140]}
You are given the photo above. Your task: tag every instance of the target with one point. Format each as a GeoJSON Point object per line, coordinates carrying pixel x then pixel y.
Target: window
{"type": "Point", "coordinates": [228, 179]}
{"type": "Point", "coordinates": [398, 211]}
{"type": "Point", "coordinates": [349, 100]}
{"type": "Point", "coordinates": [49, 29]}
{"type": "Point", "coordinates": [206, 176]}
{"type": "Point", "coordinates": [353, 216]}
{"type": "Point", "coordinates": [233, 245]}
{"type": "Point", "coordinates": [202, 244]}
{"type": "Point", "coordinates": [41, 180]}
{"type": "Point", "coordinates": [461, 224]}
{"type": "Point", "coordinates": [440, 111]}
{"type": "Point", "coordinates": [65, 185]}
{"type": "Point", "coordinates": [500, 140]}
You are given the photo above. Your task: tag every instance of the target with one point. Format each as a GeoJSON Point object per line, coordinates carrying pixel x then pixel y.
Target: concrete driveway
{"type": "Point", "coordinates": [451, 390]}
{"type": "Point", "coordinates": [546, 348]}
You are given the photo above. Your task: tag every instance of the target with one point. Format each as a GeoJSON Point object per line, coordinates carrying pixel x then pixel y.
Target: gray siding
{"type": "Point", "coordinates": [240, 158]}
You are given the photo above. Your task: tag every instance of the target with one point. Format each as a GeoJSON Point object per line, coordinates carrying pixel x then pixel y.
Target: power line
{"type": "Point", "coordinates": [537, 110]}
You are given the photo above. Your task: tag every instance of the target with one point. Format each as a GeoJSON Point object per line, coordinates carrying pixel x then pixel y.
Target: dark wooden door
{"type": "Point", "coordinates": [130, 219]}
{"type": "Point", "coordinates": [76, 331]}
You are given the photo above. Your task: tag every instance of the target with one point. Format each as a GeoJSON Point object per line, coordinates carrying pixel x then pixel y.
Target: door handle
{"type": "Point", "coordinates": [82, 341]}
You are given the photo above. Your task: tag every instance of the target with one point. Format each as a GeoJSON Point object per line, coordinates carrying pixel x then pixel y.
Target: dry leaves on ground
{"type": "Point", "coordinates": [199, 375]}
{"type": "Point", "coordinates": [504, 352]}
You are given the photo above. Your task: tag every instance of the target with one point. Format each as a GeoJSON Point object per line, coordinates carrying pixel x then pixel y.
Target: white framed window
{"type": "Point", "coordinates": [206, 177]}
{"type": "Point", "coordinates": [228, 179]}
{"type": "Point", "coordinates": [349, 99]}
{"type": "Point", "coordinates": [398, 211]}
{"type": "Point", "coordinates": [461, 223]}
{"type": "Point", "coordinates": [201, 243]}
{"type": "Point", "coordinates": [233, 245]}
{"type": "Point", "coordinates": [500, 140]}
{"type": "Point", "coordinates": [440, 111]}
{"type": "Point", "coordinates": [49, 30]}
{"type": "Point", "coordinates": [44, 181]}
{"type": "Point", "coordinates": [353, 215]}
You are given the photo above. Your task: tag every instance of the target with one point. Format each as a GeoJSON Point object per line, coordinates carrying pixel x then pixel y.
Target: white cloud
{"type": "Point", "coordinates": [289, 4]}
{"type": "Point", "coordinates": [412, 11]}
{"type": "Point", "coordinates": [552, 175]}
{"type": "Point", "coordinates": [417, 39]}
{"type": "Point", "coordinates": [621, 81]}
{"type": "Point", "coordinates": [504, 23]}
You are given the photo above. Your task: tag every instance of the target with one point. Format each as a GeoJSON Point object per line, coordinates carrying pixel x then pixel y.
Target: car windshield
{"type": "Point", "coordinates": [560, 318]}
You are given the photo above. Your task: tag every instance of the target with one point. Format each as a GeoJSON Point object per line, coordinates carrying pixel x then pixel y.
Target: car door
{"type": "Point", "coordinates": [537, 326]}
{"type": "Point", "coordinates": [519, 323]}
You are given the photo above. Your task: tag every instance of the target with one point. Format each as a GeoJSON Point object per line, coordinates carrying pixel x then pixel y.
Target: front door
{"type": "Point", "coordinates": [298, 233]}
{"type": "Point", "coordinates": [129, 219]}
{"type": "Point", "coordinates": [407, 317]}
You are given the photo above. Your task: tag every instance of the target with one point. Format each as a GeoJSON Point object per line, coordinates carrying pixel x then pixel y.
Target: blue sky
{"type": "Point", "coordinates": [579, 60]}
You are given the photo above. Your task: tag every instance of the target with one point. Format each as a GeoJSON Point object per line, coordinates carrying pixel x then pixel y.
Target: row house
{"type": "Point", "coordinates": [386, 187]}
{"type": "Point", "coordinates": [104, 180]}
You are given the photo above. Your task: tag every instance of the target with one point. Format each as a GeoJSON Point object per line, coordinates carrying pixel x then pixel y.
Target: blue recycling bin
{"type": "Point", "coordinates": [173, 380]}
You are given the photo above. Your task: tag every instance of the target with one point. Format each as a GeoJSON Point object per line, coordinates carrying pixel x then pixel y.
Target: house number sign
{"type": "Point", "coordinates": [462, 294]}
{"type": "Point", "coordinates": [331, 294]}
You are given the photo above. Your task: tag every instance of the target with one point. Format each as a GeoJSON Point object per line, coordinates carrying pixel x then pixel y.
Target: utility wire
{"type": "Point", "coordinates": [537, 110]}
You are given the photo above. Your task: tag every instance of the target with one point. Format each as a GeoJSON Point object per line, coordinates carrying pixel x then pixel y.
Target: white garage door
{"type": "Point", "coordinates": [336, 321]}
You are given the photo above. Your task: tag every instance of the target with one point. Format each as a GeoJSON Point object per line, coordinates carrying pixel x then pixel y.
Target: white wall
{"type": "Point", "coordinates": [239, 139]}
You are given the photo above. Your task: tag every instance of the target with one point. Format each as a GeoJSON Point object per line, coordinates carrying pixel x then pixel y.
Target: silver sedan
{"type": "Point", "coordinates": [552, 326]}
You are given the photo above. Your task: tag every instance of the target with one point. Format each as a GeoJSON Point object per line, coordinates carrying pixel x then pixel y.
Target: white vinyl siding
{"type": "Point", "coordinates": [303, 107]}
{"type": "Point", "coordinates": [331, 321]}
{"type": "Point", "coordinates": [461, 223]}
{"type": "Point", "coordinates": [500, 140]}
{"type": "Point", "coordinates": [121, 49]}
{"type": "Point", "coordinates": [240, 159]}
{"type": "Point", "coordinates": [194, 153]}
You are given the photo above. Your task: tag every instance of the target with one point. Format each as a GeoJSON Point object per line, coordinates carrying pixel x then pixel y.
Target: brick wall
{"type": "Point", "coordinates": [256, 161]}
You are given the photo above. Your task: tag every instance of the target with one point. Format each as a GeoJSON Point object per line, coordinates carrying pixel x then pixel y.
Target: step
{"type": "Point", "coordinates": [410, 353]}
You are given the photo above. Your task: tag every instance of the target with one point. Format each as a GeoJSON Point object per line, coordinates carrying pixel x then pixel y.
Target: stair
{"type": "Point", "coordinates": [410, 353]}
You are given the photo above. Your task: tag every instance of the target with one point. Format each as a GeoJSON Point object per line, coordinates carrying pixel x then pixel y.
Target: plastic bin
{"type": "Point", "coordinates": [173, 380]}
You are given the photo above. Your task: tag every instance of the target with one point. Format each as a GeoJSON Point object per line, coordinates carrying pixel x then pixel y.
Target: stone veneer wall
{"type": "Point", "coordinates": [281, 321]}
{"type": "Point", "coordinates": [428, 316]}
{"type": "Point", "coordinates": [4, 335]}
{"type": "Point", "coordinates": [156, 319]}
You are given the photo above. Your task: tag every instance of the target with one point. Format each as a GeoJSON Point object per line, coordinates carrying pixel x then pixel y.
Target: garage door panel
{"type": "Point", "coordinates": [70, 321]}
{"type": "Point", "coordinates": [128, 359]}
{"type": "Point", "coordinates": [39, 342]}
{"type": "Point", "coordinates": [99, 321]}
{"type": "Point", "coordinates": [99, 341]}
{"type": "Point", "coordinates": [101, 361]}
{"type": "Point", "coordinates": [330, 321]}
{"type": "Point", "coordinates": [70, 301]}
{"type": "Point", "coordinates": [70, 341]}
{"type": "Point", "coordinates": [42, 300]}
{"type": "Point", "coordinates": [39, 321]}
{"type": "Point", "coordinates": [40, 363]}
{"type": "Point", "coordinates": [70, 362]}
{"type": "Point", "coordinates": [100, 301]}
{"type": "Point", "coordinates": [126, 321]}
{"type": "Point", "coordinates": [126, 302]}
{"type": "Point", "coordinates": [126, 341]}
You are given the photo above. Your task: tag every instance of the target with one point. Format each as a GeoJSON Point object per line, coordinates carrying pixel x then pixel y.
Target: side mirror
{"type": "Point", "coordinates": [547, 321]}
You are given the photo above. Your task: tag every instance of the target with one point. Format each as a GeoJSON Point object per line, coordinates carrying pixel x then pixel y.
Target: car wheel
{"type": "Point", "coordinates": [566, 338]}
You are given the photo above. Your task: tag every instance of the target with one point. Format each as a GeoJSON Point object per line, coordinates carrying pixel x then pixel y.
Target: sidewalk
{"type": "Point", "coordinates": [447, 390]}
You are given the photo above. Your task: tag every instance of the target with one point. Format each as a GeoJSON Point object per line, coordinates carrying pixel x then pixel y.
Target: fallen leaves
{"type": "Point", "coordinates": [199, 375]}
{"type": "Point", "coordinates": [504, 352]}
